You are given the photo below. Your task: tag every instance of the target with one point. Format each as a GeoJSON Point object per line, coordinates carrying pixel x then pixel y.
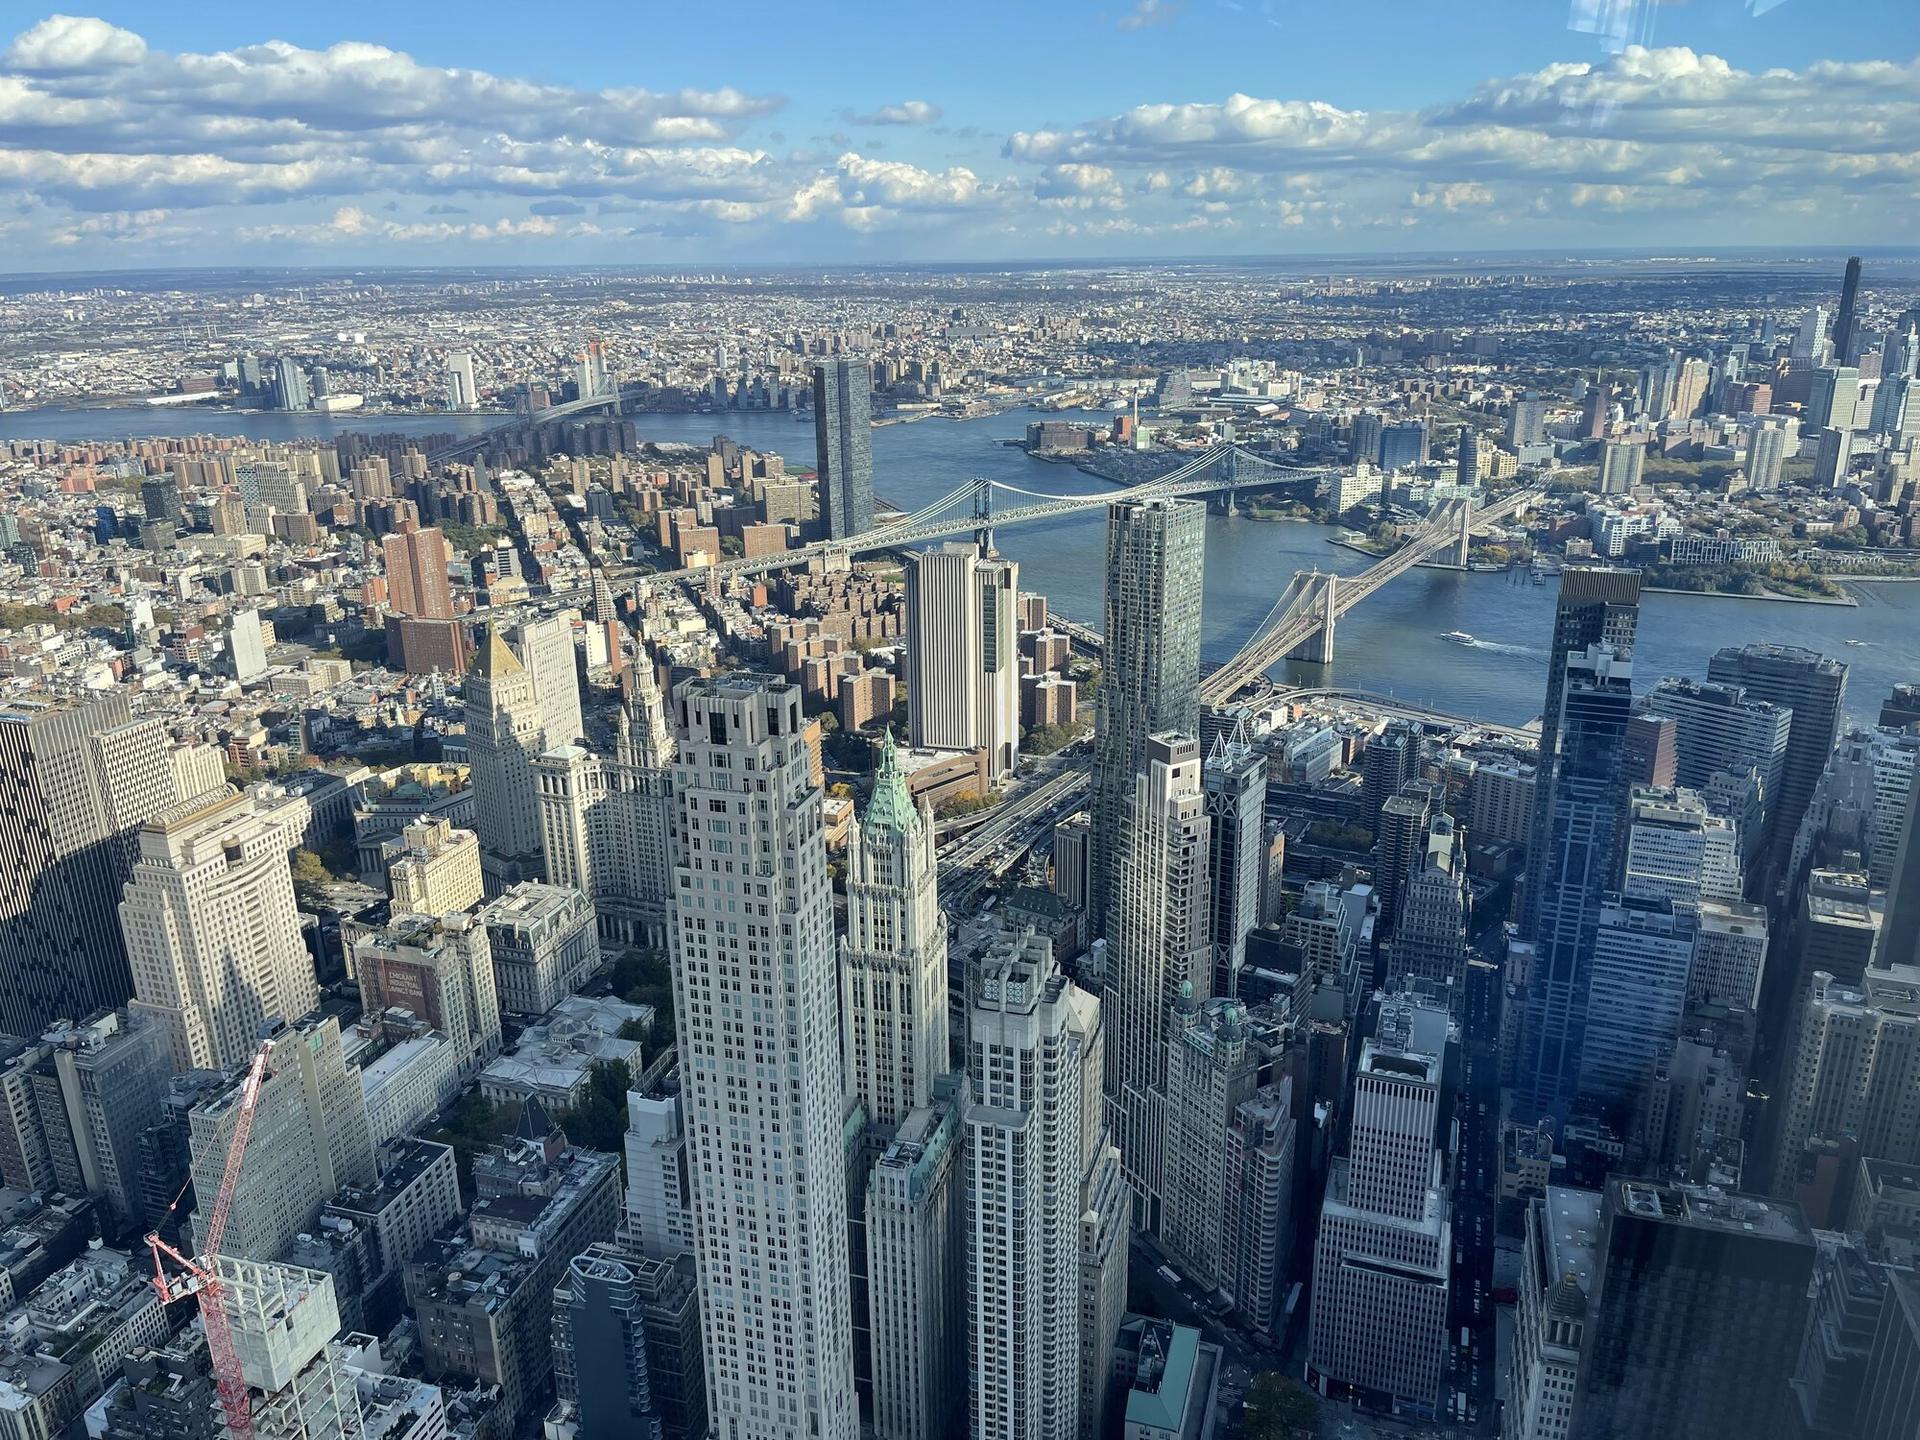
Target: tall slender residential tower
{"type": "Point", "coordinates": [843, 445]}
{"type": "Point", "coordinates": [1156, 554]}
{"type": "Point", "coordinates": [76, 782]}
{"type": "Point", "coordinates": [1023, 1213]}
{"type": "Point", "coordinates": [1579, 845]}
{"type": "Point", "coordinates": [1235, 781]}
{"type": "Point", "coordinates": [1431, 940]}
{"type": "Point", "coordinates": [1597, 606]}
{"type": "Point", "coordinates": [1843, 320]}
{"type": "Point", "coordinates": [212, 929]}
{"type": "Point", "coordinates": [506, 729]}
{"type": "Point", "coordinates": [1157, 950]}
{"type": "Point", "coordinates": [963, 661]}
{"type": "Point", "coordinates": [760, 1067]}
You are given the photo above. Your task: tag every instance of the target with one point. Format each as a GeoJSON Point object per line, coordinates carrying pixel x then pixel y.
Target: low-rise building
{"type": "Point", "coordinates": [554, 1060]}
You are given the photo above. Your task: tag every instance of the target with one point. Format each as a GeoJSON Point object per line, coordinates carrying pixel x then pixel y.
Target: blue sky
{"type": "Point", "coordinates": [594, 131]}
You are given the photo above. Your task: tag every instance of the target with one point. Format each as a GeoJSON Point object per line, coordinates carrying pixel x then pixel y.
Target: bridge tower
{"type": "Point", "coordinates": [1229, 467]}
{"type": "Point", "coordinates": [983, 515]}
{"type": "Point", "coordinates": [1463, 538]}
{"type": "Point", "coordinates": [1317, 594]}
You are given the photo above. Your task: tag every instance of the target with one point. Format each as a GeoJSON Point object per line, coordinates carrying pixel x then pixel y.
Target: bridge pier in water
{"type": "Point", "coordinates": [1318, 646]}
{"type": "Point", "coordinates": [1463, 539]}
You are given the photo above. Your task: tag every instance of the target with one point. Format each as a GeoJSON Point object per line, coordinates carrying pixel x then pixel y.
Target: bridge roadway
{"type": "Point", "coordinates": [472, 444]}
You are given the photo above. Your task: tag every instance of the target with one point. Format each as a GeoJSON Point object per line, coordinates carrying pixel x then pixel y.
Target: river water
{"type": "Point", "coordinates": [1391, 643]}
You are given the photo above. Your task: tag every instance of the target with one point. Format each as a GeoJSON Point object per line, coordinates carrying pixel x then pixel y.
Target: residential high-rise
{"type": "Point", "coordinates": [1213, 1064]}
{"type": "Point", "coordinates": [659, 1188]}
{"type": "Point", "coordinates": [246, 647]}
{"type": "Point", "coordinates": [1260, 1204]}
{"type": "Point", "coordinates": [1430, 938]}
{"type": "Point", "coordinates": [76, 782]}
{"type": "Point", "coordinates": [1767, 445]}
{"type": "Point", "coordinates": [1622, 463]}
{"type": "Point", "coordinates": [1381, 1265]}
{"type": "Point", "coordinates": [1843, 320]}
{"type": "Point", "coordinates": [1399, 843]}
{"type": "Point", "coordinates": [1854, 1071]}
{"type": "Point", "coordinates": [763, 1119]}
{"type": "Point", "coordinates": [626, 1348]}
{"type": "Point", "coordinates": [506, 729]}
{"type": "Point", "coordinates": [310, 1140]}
{"type": "Point", "coordinates": [1636, 990]}
{"type": "Point", "coordinates": [417, 563]}
{"type": "Point", "coordinates": [893, 961]}
{"type": "Point", "coordinates": [1390, 762]}
{"type": "Point", "coordinates": [1597, 606]}
{"type": "Point", "coordinates": [1106, 1224]}
{"type": "Point", "coordinates": [1701, 1306]}
{"type": "Point", "coordinates": [283, 1320]}
{"type": "Point", "coordinates": [843, 445]}
{"type": "Point", "coordinates": [1579, 851]}
{"type": "Point", "coordinates": [462, 393]}
{"type": "Point", "coordinates": [1023, 1215]}
{"type": "Point", "coordinates": [1235, 781]}
{"type": "Point", "coordinates": [963, 662]}
{"type": "Point", "coordinates": [1157, 948]}
{"type": "Point", "coordinates": [1156, 553]}
{"type": "Point", "coordinates": [212, 928]}
{"type": "Point", "coordinates": [1813, 688]}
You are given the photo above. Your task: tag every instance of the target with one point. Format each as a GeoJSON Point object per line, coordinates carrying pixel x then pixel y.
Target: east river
{"type": "Point", "coordinates": [1390, 643]}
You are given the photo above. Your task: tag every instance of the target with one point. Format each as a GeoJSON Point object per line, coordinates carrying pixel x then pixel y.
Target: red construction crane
{"type": "Point", "coordinates": [202, 1278]}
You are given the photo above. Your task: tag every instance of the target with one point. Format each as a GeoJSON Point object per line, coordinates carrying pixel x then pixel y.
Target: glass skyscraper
{"type": "Point", "coordinates": [843, 446]}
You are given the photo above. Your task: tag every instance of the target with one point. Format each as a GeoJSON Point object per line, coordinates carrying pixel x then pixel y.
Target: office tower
{"type": "Point", "coordinates": [76, 782]}
{"type": "Point", "coordinates": [1467, 462]}
{"type": "Point", "coordinates": [1901, 942]}
{"type": "Point", "coordinates": [310, 1139]}
{"type": "Point", "coordinates": [1213, 1063]}
{"type": "Point", "coordinates": [1653, 753]}
{"type": "Point", "coordinates": [917, 1271]}
{"type": "Point", "coordinates": [545, 647]}
{"type": "Point", "coordinates": [246, 649]}
{"type": "Point", "coordinates": [1729, 954]}
{"type": "Point", "coordinates": [212, 928]}
{"type": "Point", "coordinates": [1854, 1071]}
{"type": "Point", "coordinates": [1767, 445]}
{"type": "Point", "coordinates": [1636, 990]}
{"type": "Point", "coordinates": [544, 945]}
{"type": "Point", "coordinates": [1890, 1394]}
{"type": "Point", "coordinates": [1365, 441]}
{"type": "Point", "coordinates": [1679, 851]}
{"type": "Point", "coordinates": [1106, 1228]}
{"type": "Point", "coordinates": [1430, 937]}
{"type": "Point", "coordinates": [1156, 553]}
{"type": "Point", "coordinates": [1832, 458]}
{"type": "Point", "coordinates": [1811, 687]}
{"type": "Point", "coordinates": [893, 959]}
{"type": "Point", "coordinates": [438, 967]}
{"type": "Point", "coordinates": [1399, 840]}
{"type": "Point", "coordinates": [843, 446]}
{"type": "Point", "coordinates": [963, 663]}
{"type": "Point", "coordinates": [1527, 422]}
{"type": "Point", "coordinates": [1843, 320]}
{"type": "Point", "coordinates": [1690, 388]}
{"type": "Point", "coordinates": [1691, 1123]}
{"type": "Point", "coordinates": [290, 381]}
{"type": "Point", "coordinates": [626, 1349]}
{"type": "Point", "coordinates": [462, 393]}
{"type": "Point", "coordinates": [1390, 762]}
{"type": "Point", "coordinates": [100, 1086]}
{"type": "Point", "coordinates": [763, 1120]}
{"type": "Point", "coordinates": [1722, 728]}
{"type": "Point", "coordinates": [1579, 849]}
{"type": "Point", "coordinates": [1403, 443]}
{"type": "Point", "coordinates": [1553, 1308]}
{"type": "Point", "coordinates": [417, 563]}
{"type": "Point", "coordinates": [1832, 398]}
{"type": "Point", "coordinates": [1023, 1141]}
{"type": "Point", "coordinates": [1622, 462]}
{"type": "Point", "coordinates": [1597, 606]}
{"type": "Point", "coordinates": [1701, 1307]}
{"type": "Point", "coordinates": [1235, 781]}
{"type": "Point", "coordinates": [1809, 347]}
{"type": "Point", "coordinates": [1381, 1263]}
{"type": "Point", "coordinates": [1156, 948]}
{"type": "Point", "coordinates": [1657, 385]}
{"type": "Point", "coordinates": [506, 729]}
{"type": "Point", "coordinates": [433, 869]}
{"type": "Point", "coordinates": [1260, 1153]}
{"type": "Point", "coordinates": [282, 1320]}
{"type": "Point", "coordinates": [1072, 842]}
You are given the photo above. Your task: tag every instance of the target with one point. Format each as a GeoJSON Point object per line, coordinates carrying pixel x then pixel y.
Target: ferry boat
{"type": "Point", "coordinates": [1458, 637]}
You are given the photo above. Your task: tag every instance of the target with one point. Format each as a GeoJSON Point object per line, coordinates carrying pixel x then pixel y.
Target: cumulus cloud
{"type": "Point", "coordinates": [73, 44]}
{"type": "Point", "coordinates": [907, 112]}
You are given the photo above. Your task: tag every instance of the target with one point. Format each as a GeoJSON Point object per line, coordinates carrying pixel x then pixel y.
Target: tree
{"type": "Point", "coordinates": [643, 977]}
{"type": "Point", "coordinates": [599, 1121]}
{"type": "Point", "coordinates": [1279, 1407]}
{"type": "Point", "coordinates": [310, 877]}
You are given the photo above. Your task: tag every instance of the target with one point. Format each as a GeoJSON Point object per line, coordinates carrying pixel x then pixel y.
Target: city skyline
{"type": "Point", "coordinates": [356, 136]}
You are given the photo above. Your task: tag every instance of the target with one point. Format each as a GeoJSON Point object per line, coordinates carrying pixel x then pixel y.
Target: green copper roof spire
{"type": "Point", "coordinates": [891, 806]}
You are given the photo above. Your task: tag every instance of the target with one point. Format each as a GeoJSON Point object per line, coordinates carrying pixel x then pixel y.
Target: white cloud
{"type": "Point", "coordinates": [73, 44]}
{"type": "Point", "coordinates": [907, 112]}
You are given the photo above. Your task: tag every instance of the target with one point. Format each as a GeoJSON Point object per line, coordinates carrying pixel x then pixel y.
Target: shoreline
{"type": "Point", "coordinates": [1844, 602]}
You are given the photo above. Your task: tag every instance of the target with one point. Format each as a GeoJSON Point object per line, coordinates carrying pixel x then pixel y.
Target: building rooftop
{"type": "Point", "coordinates": [1708, 1207]}
{"type": "Point", "coordinates": [1572, 1235]}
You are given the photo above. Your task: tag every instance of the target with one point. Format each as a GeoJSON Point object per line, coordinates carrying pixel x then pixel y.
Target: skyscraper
{"type": "Point", "coordinates": [1812, 687]}
{"type": "Point", "coordinates": [1901, 943]}
{"type": "Point", "coordinates": [1622, 463]}
{"type": "Point", "coordinates": [545, 646]}
{"type": "Point", "coordinates": [1699, 1316]}
{"type": "Point", "coordinates": [763, 1119]}
{"type": "Point", "coordinates": [76, 782]}
{"type": "Point", "coordinates": [212, 928]}
{"type": "Point", "coordinates": [462, 393]}
{"type": "Point", "coordinates": [843, 445]}
{"type": "Point", "coordinates": [1157, 949]}
{"type": "Point", "coordinates": [1213, 1063]}
{"type": "Point", "coordinates": [1430, 939]}
{"type": "Point", "coordinates": [1023, 1219]}
{"type": "Point", "coordinates": [963, 662]}
{"type": "Point", "coordinates": [626, 1353]}
{"type": "Point", "coordinates": [1579, 850]}
{"type": "Point", "coordinates": [1378, 1328]}
{"type": "Point", "coordinates": [1235, 781]}
{"type": "Point", "coordinates": [1677, 850]}
{"type": "Point", "coordinates": [1843, 320]}
{"type": "Point", "coordinates": [1636, 990]}
{"type": "Point", "coordinates": [1156, 554]}
{"type": "Point", "coordinates": [417, 562]}
{"type": "Point", "coordinates": [1721, 728]}
{"type": "Point", "coordinates": [506, 729]}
